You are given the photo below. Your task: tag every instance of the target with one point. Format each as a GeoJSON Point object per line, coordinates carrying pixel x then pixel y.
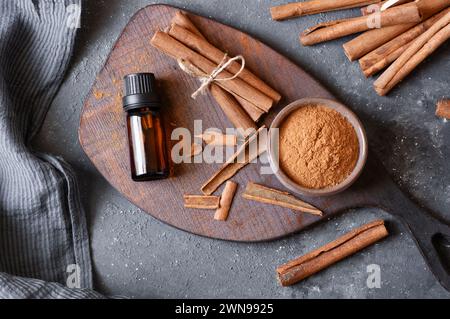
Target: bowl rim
{"type": "Point", "coordinates": [362, 140]}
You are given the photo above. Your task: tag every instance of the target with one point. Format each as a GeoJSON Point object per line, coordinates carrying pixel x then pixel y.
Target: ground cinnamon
{"type": "Point", "coordinates": [318, 147]}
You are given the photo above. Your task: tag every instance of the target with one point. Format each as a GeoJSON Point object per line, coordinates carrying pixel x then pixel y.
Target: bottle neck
{"type": "Point", "coordinates": [143, 110]}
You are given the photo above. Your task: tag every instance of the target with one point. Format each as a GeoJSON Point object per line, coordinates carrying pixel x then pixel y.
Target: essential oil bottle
{"type": "Point", "coordinates": [147, 141]}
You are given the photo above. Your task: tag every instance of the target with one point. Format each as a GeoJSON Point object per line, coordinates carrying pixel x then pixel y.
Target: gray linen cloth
{"type": "Point", "coordinates": [44, 241]}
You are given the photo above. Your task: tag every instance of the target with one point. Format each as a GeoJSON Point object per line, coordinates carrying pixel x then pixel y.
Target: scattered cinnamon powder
{"type": "Point", "coordinates": [98, 95]}
{"type": "Point", "coordinates": [318, 147]}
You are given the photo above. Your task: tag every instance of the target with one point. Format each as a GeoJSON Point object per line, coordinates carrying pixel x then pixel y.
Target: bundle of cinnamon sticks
{"type": "Point", "coordinates": [243, 99]}
{"type": "Point", "coordinates": [398, 38]}
{"type": "Point", "coordinates": [243, 96]}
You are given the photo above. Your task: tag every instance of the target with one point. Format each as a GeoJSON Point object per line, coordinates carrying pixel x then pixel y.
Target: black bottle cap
{"type": "Point", "coordinates": [140, 91]}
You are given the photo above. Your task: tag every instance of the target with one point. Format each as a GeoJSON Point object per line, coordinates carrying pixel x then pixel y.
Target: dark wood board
{"type": "Point", "coordinates": [103, 137]}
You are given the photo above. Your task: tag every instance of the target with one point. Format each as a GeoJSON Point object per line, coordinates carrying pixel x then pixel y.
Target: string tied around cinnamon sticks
{"type": "Point", "coordinates": [207, 79]}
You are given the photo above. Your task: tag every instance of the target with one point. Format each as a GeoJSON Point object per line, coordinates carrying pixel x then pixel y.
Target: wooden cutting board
{"type": "Point", "coordinates": [103, 137]}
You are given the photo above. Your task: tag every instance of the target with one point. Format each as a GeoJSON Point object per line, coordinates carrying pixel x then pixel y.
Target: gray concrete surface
{"type": "Point", "coordinates": [137, 256]}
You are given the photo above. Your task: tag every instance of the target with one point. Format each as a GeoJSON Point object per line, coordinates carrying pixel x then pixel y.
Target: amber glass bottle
{"type": "Point", "coordinates": [148, 152]}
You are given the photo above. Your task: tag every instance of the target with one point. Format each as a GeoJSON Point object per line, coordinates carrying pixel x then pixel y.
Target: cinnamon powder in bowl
{"type": "Point", "coordinates": [322, 147]}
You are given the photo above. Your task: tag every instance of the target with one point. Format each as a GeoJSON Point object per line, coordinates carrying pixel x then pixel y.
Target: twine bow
{"type": "Point", "coordinates": [207, 79]}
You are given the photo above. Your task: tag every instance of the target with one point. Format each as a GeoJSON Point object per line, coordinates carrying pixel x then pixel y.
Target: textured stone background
{"type": "Point", "coordinates": [137, 256]}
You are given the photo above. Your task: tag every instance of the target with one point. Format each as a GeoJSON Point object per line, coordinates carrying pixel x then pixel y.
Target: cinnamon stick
{"type": "Point", "coordinates": [419, 50]}
{"type": "Point", "coordinates": [391, 3]}
{"type": "Point", "coordinates": [275, 197]}
{"type": "Point", "coordinates": [225, 201]}
{"type": "Point", "coordinates": [297, 9]}
{"type": "Point", "coordinates": [389, 52]}
{"type": "Point", "coordinates": [428, 8]}
{"type": "Point", "coordinates": [385, 61]}
{"type": "Point", "coordinates": [218, 139]}
{"type": "Point", "coordinates": [244, 155]}
{"type": "Point", "coordinates": [377, 7]}
{"type": "Point", "coordinates": [372, 39]}
{"type": "Point", "coordinates": [443, 109]}
{"type": "Point", "coordinates": [183, 21]}
{"type": "Point", "coordinates": [325, 256]}
{"type": "Point", "coordinates": [336, 29]}
{"type": "Point", "coordinates": [201, 201]}
{"type": "Point", "coordinates": [196, 149]}
{"type": "Point", "coordinates": [189, 151]}
{"type": "Point", "coordinates": [233, 111]}
{"type": "Point", "coordinates": [251, 109]}
{"type": "Point", "coordinates": [209, 51]}
{"type": "Point", "coordinates": [179, 51]}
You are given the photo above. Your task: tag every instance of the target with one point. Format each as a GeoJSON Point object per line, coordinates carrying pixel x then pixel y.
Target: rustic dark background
{"type": "Point", "coordinates": [137, 256]}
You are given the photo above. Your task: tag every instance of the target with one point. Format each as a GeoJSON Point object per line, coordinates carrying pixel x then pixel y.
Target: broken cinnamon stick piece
{"type": "Point", "coordinates": [249, 151]}
{"type": "Point", "coordinates": [417, 52]}
{"type": "Point", "coordinates": [212, 53]}
{"type": "Point", "coordinates": [180, 52]}
{"type": "Point", "coordinates": [219, 139]}
{"type": "Point", "coordinates": [225, 201]}
{"type": "Point", "coordinates": [298, 9]}
{"type": "Point", "coordinates": [443, 109]}
{"type": "Point", "coordinates": [201, 201]}
{"type": "Point", "coordinates": [268, 195]}
{"type": "Point", "coordinates": [325, 256]}
{"type": "Point", "coordinates": [429, 7]}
